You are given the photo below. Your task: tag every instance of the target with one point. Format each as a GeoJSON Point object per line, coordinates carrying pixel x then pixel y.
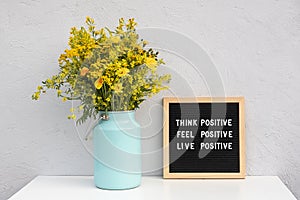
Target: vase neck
{"type": "Point", "coordinates": [120, 115]}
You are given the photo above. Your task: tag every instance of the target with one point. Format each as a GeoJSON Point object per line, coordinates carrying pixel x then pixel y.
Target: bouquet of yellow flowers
{"type": "Point", "coordinates": [105, 70]}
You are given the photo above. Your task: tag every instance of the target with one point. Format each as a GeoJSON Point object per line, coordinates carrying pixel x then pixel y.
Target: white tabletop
{"type": "Point", "coordinates": [82, 187]}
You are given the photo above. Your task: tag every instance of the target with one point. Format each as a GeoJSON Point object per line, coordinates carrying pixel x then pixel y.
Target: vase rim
{"type": "Point", "coordinates": [116, 112]}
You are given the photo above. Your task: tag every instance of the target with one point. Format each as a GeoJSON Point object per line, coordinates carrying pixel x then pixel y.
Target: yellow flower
{"type": "Point", "coordinates": [98, 83]}
{"type": "Point", "coordinates": [154, 90]}
{"type": "Point", "coordinates": [96, 74]}
{"type": "Point", "coordinates": [147, 86]}
{"type": "Point", "coordinates": [151, 63]}
{"type": "Point", "coordinates": [84, 71]}
{"type": "Point", "coordinates": [130, 79]}
{"type": "Point", "coordinates": [115, 39]}
{"type": "Point", "coordinates": [100, 63]}
{"type": "Point", "coordinates": [122, 72]}
{"type": "Point", "coordinates": [107, 80]}
{"type": "Point", "coordinates": [39, 87]}
{"type": "Point", "coordinates": [71, 53]}
{"type": "Point", "coordinates": [73, 29]}
{"type": "Point", "coordinates": [49, 81]}
{"type": "Point", "coordinates": [145, 42]}
{"type": "Point", "coordinates": [131, 24]}
{"type": "Point", "coordinates": [59, 92]}
{"type": "Point", "coordinates": [36, 96]}
{"type": "Point", "coordinates": [73, 116]}
{"type": "Point", "coordinates": [118, 88]}
{"type": "Point", "coordinates": [89, 20]}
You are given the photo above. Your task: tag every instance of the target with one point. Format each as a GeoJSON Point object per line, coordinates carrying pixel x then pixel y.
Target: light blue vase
{"type": "Point", "coordinates": [117, 152]}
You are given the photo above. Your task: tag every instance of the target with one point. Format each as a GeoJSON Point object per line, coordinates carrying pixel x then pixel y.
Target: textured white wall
{"type": "Point", "coordinates": [254, 44]}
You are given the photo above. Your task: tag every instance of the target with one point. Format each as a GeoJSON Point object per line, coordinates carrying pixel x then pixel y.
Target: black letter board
{"type": "Point", "coordinates": [204, 137]}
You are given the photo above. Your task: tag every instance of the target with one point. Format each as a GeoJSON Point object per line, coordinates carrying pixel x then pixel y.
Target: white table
{"type": "Point", "coordinates": [156, 188]}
